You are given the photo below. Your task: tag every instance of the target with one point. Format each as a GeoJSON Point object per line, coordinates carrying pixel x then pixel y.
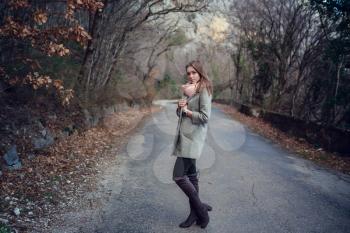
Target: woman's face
{"type": "Point", "coordinates": [192, 75]}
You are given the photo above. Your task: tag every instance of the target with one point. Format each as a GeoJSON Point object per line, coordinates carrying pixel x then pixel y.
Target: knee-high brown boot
{"type": "Point", "coordinates": [194, 180]}
{"type": "Point", "coordinates": [192, 217]}
{"type": "Point", "coordinates": [201, 211]}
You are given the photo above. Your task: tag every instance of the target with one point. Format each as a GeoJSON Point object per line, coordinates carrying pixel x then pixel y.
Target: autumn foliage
{"type": "Point", "coordinates": [44, 28]}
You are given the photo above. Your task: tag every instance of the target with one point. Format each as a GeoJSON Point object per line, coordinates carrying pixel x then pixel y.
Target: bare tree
{"type": "Point", "coordinates": [297, 68]}
{"type": "Point", "coordinates": [162, 35]}
{"type": "Point", "coordinates": [109, 30]}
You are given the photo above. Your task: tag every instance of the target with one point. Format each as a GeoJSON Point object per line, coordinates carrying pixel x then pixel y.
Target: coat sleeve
{"type": "Point", "coordinates": [202, 116]}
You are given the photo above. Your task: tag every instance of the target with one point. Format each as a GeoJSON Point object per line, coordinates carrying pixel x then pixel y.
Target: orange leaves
{"type": "Point", "coordinates": [22, 25]}
{"type": "Point", "coordinates": [62, 32]}
{"type": "Point", "coordinates": [16, 29]}
{"type": "Point", "coordinates": [90, 5]}
{"type": "Point", "coordinates": [40, 17]}
{"type": "Point", "coordinates": [16, 4]}
{"type": "Point", "coordinates": [42, 39]}
{"type": "Point", "coordinates": [25, 32]}
{"type": "Point", "coordinates": [48, 39]}
{"type": "Point", "coordinates": [66, 96]}
{"type": "Point", "coordinates": [69, 10]}
{"type": "Point", "coordinates": [79, 34]}
{"type": "Point", "coordinates": [97, 6]}
{"type": "Point", "coordinates": [58, 84]}
{"type": "Point", "coordinates": [58, 49]}
{"type": "Point", "coordinates": [37, 80]}
{"type": "Point", "coordinates": [83, 34]}
{"type": "Point", "coordinates": [14, 81]}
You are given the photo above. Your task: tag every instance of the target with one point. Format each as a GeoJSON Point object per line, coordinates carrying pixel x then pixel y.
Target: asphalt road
{"type": "Point", "coordinates": [252, 184]}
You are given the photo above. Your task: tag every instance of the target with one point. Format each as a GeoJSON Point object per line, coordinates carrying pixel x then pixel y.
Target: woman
{"type": "Point", "coordinates": [194, 113]}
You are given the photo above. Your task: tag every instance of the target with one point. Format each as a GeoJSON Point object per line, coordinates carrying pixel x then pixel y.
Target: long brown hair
{"type": "Point", "coordinates": [204, 81]}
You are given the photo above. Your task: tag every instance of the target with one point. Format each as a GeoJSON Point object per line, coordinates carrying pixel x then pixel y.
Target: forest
{"type": "Point", "coordinates": [291, 57]}
{"type": "Point", "coordinates": [66, 64]}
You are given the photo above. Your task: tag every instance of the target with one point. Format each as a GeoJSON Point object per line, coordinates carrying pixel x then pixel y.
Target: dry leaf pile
{"type": "Point", "coordinates": [65, 171]}
{"type": "Point", "coordinates": [293, 144]}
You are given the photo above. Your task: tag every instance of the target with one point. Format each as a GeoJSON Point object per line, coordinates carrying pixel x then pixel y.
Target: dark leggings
{"type": "Point", "coordinates": [184, 166]}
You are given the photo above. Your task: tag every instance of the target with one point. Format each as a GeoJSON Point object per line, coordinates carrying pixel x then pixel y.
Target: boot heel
{"type": "Point", "coordinates": [209, 208]}
{"type": "Point", "coordinates": [203, 220]}
{"type": "Point", "coordinates": [202, 224]}
{"type": "Point", "coordinates": [201, 211]}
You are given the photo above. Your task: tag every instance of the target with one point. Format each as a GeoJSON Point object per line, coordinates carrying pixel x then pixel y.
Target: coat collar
{"type": "Point", "coordinates": [189, 98]}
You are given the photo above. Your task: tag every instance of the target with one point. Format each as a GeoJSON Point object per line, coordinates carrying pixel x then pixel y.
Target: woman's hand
{"type": "Point", "coordinates": [182, 103]}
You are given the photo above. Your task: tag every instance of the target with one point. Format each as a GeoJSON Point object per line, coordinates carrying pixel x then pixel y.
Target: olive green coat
{"type": "Point", "coordinates": [191, 133]}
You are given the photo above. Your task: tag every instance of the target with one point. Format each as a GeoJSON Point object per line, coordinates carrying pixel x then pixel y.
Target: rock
{"type": "Point", "coordinates": [69, 130]}
{"type": "Point", "coordinates": [43, 142]}
{"type": "Point", "coordinates": [31, 156]}
{"type": "Point", "coordinates": [40, 125]}
{"type": "Point", "coordinates": [0, 173]}
{"type": "Point", "coordinates": [12, 159]}
{"type": "Point", "coordinates": [17, 211]}
{"type": "Point", "coordinates": [44, 132]}
{"type": "Point", "coordinates": [15, 166]}
{"type": "Point", "coordinates": [11, 156]}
